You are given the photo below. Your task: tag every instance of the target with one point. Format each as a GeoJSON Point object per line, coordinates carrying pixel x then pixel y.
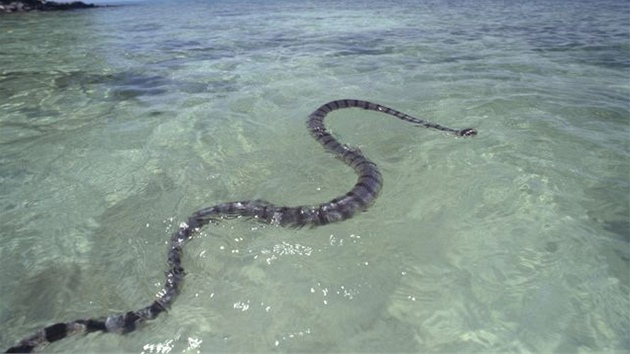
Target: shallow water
{"type": "Point", "coordinates": [117, 123]}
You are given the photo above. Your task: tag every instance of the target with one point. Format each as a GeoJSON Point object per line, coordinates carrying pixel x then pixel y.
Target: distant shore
{"type": "Point", "coordinates": [16, 6]}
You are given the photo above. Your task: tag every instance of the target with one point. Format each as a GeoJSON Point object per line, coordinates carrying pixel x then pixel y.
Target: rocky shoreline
{"type": "Point", "coordinates": [13, 6]}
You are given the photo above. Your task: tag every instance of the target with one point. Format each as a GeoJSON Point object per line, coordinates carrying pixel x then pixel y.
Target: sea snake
{"type": "Point", "coordinates": [359, 198]}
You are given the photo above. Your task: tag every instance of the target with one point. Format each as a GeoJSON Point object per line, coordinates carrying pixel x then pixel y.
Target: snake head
{"type": "Point", "coordinates": [467, 132]}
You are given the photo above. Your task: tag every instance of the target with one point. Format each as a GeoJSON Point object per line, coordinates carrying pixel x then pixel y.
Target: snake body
{"type": "Point", "coordinates": [359, 198]}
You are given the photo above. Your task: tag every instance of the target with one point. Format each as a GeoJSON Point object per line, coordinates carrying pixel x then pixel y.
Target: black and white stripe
{"type": "Point", "coordinates": [359, 198]}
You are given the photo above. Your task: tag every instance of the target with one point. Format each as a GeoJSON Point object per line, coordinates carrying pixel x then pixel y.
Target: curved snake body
{"type": "Point", "coordinates": [359, 198]}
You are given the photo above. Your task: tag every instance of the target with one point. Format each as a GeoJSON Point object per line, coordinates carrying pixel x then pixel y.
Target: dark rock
{"type": "Point", "coordinates": [9, 6]}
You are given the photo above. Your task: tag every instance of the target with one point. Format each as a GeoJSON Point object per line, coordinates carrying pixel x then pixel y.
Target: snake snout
{"type": "Point", "coordinates": [467, 132]}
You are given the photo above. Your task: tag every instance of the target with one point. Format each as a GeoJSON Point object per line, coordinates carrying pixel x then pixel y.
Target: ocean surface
{"type": "Point", "coordinates": [117, 123]}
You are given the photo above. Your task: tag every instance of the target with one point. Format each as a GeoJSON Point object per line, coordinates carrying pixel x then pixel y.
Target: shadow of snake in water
{"type": "Point", "coordinates": [359, 198]}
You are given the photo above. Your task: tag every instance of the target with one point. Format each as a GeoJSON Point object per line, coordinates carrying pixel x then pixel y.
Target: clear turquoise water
{"type": "Point", "coordinates": [117, 123]}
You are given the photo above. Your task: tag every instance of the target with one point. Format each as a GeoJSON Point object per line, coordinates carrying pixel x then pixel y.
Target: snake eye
{"type": "Point", "coordinates": [467, 132]}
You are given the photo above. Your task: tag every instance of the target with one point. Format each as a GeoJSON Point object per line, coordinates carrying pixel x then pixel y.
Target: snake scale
{"type": "Point", "coordinates": [359, 198]}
